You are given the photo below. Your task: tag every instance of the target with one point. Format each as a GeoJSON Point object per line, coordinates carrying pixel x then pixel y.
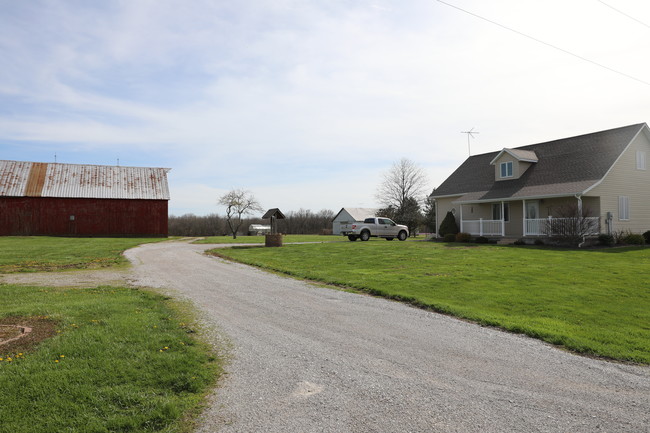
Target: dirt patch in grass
{"type": "Point", "coordinates": [10, 327]}
{"type": "Point", "coordinates": [86, 278]}
{"type": "Point", "coordinates": [44, 267]}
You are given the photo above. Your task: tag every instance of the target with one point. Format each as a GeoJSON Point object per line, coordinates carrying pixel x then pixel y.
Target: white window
{"type": "Point", "coordinates": [640, 160]}
{"type": "Point", "coordinates": [623, 208]}
{"type": "Point", "coordinates": [506, 169]}
{"type": "Point", "coordinates": [496, 211]}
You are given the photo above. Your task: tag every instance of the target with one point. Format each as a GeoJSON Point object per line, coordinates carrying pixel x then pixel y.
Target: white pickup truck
{"type": "Point", "coordinates": [375, 227]}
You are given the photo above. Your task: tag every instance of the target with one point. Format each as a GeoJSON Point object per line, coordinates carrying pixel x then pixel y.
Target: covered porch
{"type": "Point", "coordinates": [531, 217]}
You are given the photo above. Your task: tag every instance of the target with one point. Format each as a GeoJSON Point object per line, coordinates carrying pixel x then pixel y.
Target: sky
{"type": "Point", "coordinates": [306, 104]}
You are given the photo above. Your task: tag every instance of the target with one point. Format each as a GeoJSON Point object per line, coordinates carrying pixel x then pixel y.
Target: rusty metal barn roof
{"type": "Point", "coordinates": [37, 179]}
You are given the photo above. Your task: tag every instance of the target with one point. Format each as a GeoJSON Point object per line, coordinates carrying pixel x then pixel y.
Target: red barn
{"type": "Point", "coordinates": [82, 200]}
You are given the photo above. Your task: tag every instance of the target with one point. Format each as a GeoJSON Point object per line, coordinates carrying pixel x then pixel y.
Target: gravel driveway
{"type": "Point", "coordinates": [311, 359]}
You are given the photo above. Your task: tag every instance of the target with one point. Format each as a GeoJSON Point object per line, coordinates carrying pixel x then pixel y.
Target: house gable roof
{"type": "Point", "coordinates": [567, 166]}
{"type": "Point", "coordinates": [518, 154]}
{"type": "Point", "coordinates": [36, 179]}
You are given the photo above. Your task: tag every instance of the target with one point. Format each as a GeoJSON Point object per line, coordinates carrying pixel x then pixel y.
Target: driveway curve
{"type": "Point", "coordinates": [311, 359]}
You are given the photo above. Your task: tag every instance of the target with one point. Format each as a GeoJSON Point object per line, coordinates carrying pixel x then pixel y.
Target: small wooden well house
{"type": "Point", "coordinates": [274, 239]}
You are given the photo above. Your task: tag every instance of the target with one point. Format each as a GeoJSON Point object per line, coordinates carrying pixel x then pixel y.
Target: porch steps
{"type": "Point", "coordinates": [506, 241]}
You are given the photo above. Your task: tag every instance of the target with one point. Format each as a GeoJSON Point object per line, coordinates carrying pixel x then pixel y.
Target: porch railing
{"type": "Point", "coordinates": [535, 226]}
{"type": "Point", "coordinates": [561, 226]}
{"type": "Point", "coordinates": [482, 227]}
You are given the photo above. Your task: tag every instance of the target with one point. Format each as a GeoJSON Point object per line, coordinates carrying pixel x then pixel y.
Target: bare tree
{"type": "Point", "coordinates": [238, 202]}
{"type": "Point", "coordinates": [404, 181]}
{"type": "Point", "coordinates": [571, 226]}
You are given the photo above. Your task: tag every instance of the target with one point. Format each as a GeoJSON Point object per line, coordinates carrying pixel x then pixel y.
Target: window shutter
{"type": "Point", "coordinates": [623, 207]}
{"type": "Point", "coordinates": [640, 160]}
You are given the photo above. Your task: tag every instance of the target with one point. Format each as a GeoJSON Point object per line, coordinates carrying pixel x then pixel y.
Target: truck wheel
{"type": "Point", "coordinates": [402, 236]}
{"type": "Point", "coordinates": [389, 239]}
{"type": "Point", "coordinates": [352, 238]}
{"type": "Point", "coordinates": [365, 235]}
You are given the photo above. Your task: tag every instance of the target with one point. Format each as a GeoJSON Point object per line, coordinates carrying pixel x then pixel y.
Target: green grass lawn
{"type": "Point", "coordinates": [594, 302]}
{"type": "Point", "coordinates": [286, 239]}
{"type": "Point", "coordinates": [260, 239]}
{"type": "Point", "coordinates": [43, 253]}
{"type": "Point", "coordinates": [120, 360]}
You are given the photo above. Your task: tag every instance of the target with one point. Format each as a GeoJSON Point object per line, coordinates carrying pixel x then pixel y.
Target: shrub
{"type": "Point", "coordinates": [463, 237]}
{"type": "Point", "coordinates": [634, 239]}
{"type": "Point", "coordinates": [620, 235]}
{"type": "Point", "coordinates": [519, 242]}
{"type": "Point", "coordinates": [481, 240]}
{"type": "Point", "coordinates": [449, 237]}
{"type": "Point", "coordinates": [606, 240]}
{"type": "Point", "coordinates": [539, 242]}
{"type": "Point", "coordinates": [646, 236]}
{"type": "Point", "coordinates": [448, 225]}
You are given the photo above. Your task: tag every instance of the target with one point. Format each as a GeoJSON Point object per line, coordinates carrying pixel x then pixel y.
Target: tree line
{"type": "Point", "coordinates": [300, 222]}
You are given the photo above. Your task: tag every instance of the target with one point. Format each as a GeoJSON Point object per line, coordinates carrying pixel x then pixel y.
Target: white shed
{"type": "Point", "coordinates": [349, 215]}
{"type": "Point", "coordinates": [258, 229]}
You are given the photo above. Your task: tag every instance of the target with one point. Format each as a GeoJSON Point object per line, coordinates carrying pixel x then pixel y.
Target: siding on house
{"type": "Point", "coordinates": [625, 179]}
{"type": "Point", "coordinates": [445, 205]}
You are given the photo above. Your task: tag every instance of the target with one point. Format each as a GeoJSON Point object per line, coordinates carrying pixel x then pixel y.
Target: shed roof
{"type": "Point", "coordinates": [36, 179]}
{"type": "Point", "coordinates": [358, 213]}
{"type": "Point", "coordinates": [565, 167]}
{"type": "Point", "coordinates": [275, 212]}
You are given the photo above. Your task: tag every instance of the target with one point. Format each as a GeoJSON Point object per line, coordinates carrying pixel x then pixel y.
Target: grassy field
{"type": "Point", "coordinates": [260, 239]}
{"type": "Point", "coordinates": [43, 253]}
{"type": "Point", "coordinates": [595, 302]}
{"type": "Point", "coordinates": [286, 239]}
{"type": "Point", "coordinates": [119, 359]}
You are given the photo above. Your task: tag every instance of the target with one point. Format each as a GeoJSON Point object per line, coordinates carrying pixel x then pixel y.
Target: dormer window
{"type": "Point", "coordinates": [512, 163]}
{"type": "Point", "coordinates": [506, 169]}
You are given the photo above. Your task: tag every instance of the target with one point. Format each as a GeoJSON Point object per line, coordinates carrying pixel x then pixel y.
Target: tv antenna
{"type": "Point", "coordinates": [469, 133]}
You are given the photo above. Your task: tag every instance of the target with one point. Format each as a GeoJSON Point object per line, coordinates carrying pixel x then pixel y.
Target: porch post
{"type": "Point", "coordinates": [435, 207]}
{"type": "Point", "coordinates": [461, 218]}
{"type": "Point", "coordinates": [523, 210]}
{"type": "Point", "coordinates": [480, 227]}
{"type": "Point", "coordinates": [503, 220]}
{"type": "Point", "coordinates": [579, 219]}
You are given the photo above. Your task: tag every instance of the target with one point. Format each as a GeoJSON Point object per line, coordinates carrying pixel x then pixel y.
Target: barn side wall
{"type": "Point", "coordinates": [26, 216]}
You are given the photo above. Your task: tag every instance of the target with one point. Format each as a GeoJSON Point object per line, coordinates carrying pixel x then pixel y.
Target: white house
{"type": "Point", "coordinates": [351, 214]}
{"type": "Point", "coordinates": [520, 192]}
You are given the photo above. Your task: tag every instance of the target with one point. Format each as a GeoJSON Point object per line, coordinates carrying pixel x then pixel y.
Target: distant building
{"type": "Point", "coordinates": [351, 214]}
{"type": "Point", "coordinates": [82, 200]}
{"type": "Point", "coordinates": [258, 229]}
